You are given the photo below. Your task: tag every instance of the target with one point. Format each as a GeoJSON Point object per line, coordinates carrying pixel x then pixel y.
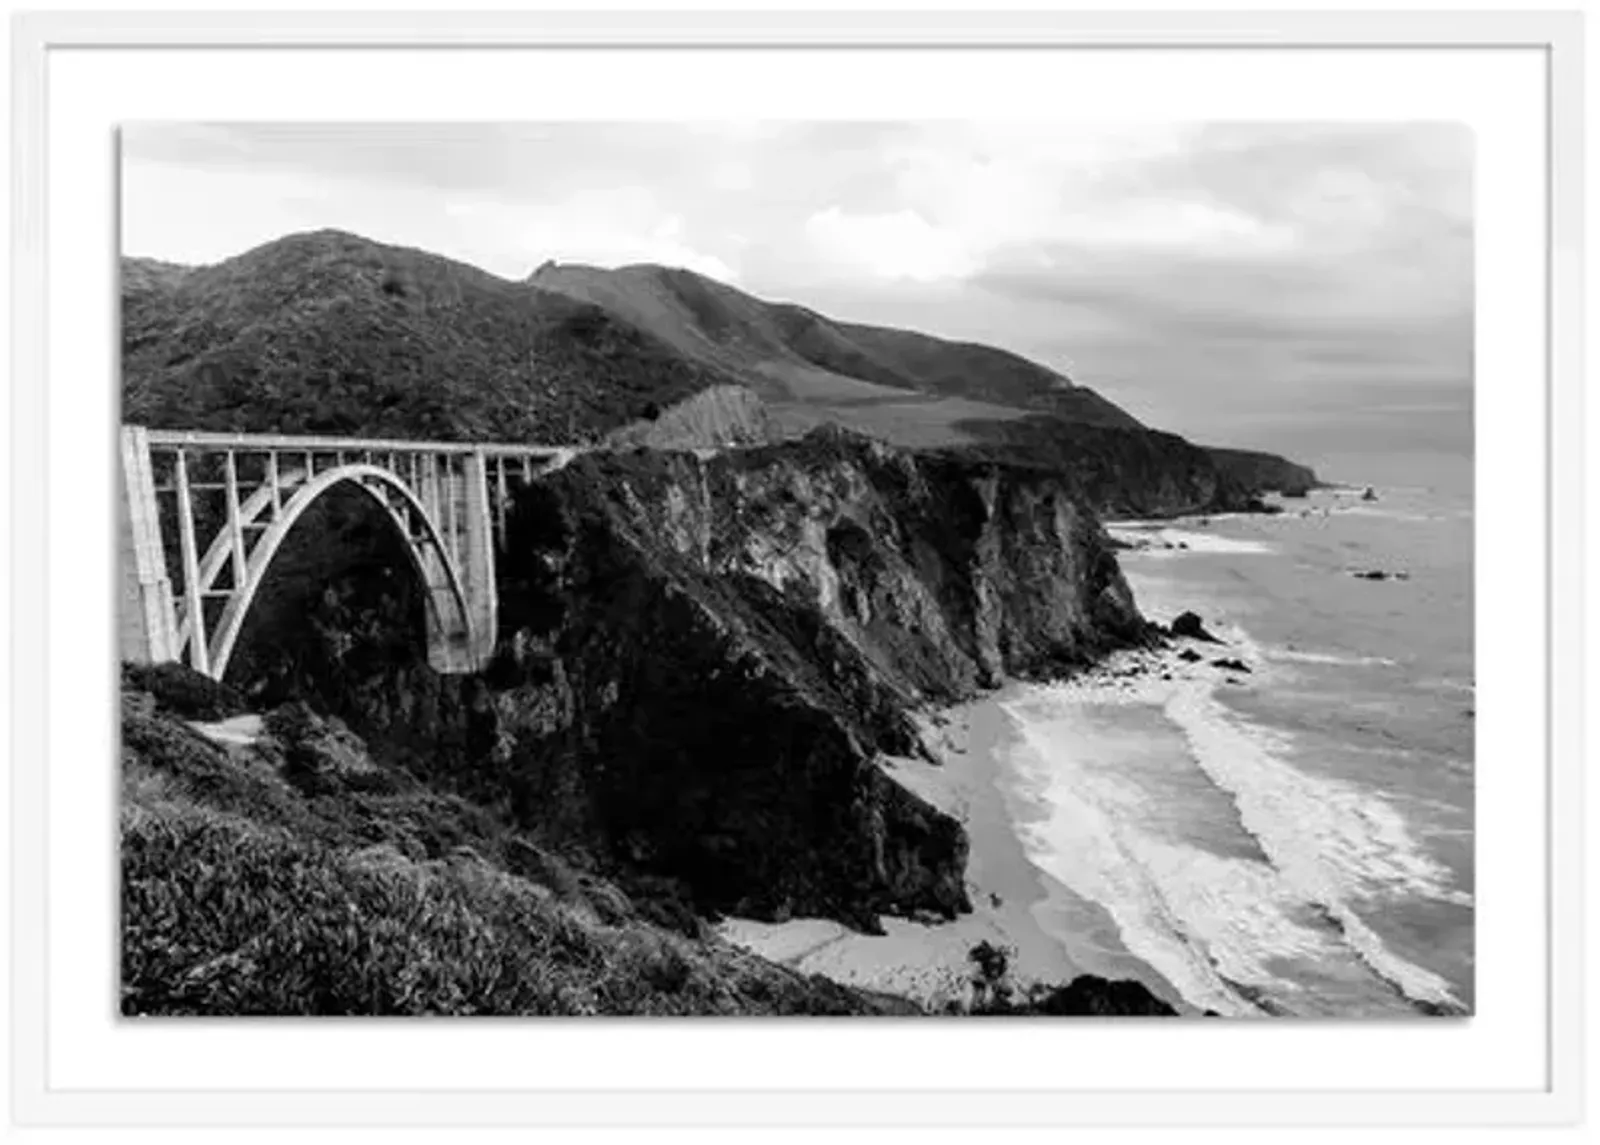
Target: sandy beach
{"type": "Point", "coordinates": [1052, 934]}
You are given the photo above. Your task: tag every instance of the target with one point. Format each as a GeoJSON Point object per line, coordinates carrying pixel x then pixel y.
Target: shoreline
{"type": "Point", "coordinates": [1136, 822]}
{"type": "Point", "coordinates": [1055, 933]}
{"type": "Point", "coordinates": [1052, 935]}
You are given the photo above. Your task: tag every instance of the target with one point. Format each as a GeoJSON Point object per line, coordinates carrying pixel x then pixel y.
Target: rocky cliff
{"type": "Point", "coordinates": [1138, 472]}
{"type": "Point", "coordinates": [1265, 472]}
{"type": "Point", "coordinates": [702, 659]}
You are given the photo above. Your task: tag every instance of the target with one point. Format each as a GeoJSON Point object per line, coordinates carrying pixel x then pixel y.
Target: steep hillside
{"type": "Point", "coordinates": [715, 418]}
{"type": "Point", "coordinates": [329, 333]}
{"type": "Point", "coordinates": [794, 356]}
{"type": "Point", "coordinates": [923, 392]}
{"type": "Point", "coordinates": [1131, 473]}
{"type": "Point", "coordinates": [292, 872]}
{"type": "Point", "coordinates": [701, 659]}
{"type": "Point", "coordinates": [283, 868]}
{"type": "Point", "coordinates": [1265, 472]}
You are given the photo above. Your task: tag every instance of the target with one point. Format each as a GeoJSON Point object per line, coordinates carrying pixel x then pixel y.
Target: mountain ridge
{"type": "Point", "coordinates": [788, 352]}
{"type": "Point", "coordinates": [328, 332]}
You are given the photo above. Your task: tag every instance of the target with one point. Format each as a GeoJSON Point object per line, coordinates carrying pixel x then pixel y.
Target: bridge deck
{"type": "Point", "coordinates": [260, 441]}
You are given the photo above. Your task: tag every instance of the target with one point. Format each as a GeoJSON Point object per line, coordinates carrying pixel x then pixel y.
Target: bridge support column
{"type": "Point", "coordinates": [477, 560]}
{"type": "Point", "coordinates": [467, 525]}
{"type": "Point", "coordinates": [147, 618]}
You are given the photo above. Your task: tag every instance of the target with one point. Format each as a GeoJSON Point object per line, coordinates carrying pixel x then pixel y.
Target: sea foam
{"type": "Point", "coordinates": [1086, 841]}
{"type": "Point", "coordinates": [1333, 843]}
{"type": "Point", "coordinates": [1265, 866]}
{"type": "Point", "coordinates": [1299, 656]}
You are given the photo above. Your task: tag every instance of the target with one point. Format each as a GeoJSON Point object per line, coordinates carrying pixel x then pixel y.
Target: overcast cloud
{"type": "Point", "coordinates": [1300, 286]}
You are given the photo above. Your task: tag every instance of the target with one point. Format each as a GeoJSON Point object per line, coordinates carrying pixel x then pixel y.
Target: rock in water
{"type": "Point", "coordinates": [1233, 665]}
{"type": "Point", "coordinates": [1188, 625]}
{"type": "Point", "coordinates": [1369, 494]}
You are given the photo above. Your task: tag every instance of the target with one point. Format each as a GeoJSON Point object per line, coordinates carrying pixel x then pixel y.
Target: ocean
{"type": "Point", "coordinates": [1296, 839]}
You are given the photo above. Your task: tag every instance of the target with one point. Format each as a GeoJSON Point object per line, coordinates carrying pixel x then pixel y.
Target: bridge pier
{"type": "Point", "coordinates": [477, 560]}
{"type": "Point", "coordinates": [147, 619]}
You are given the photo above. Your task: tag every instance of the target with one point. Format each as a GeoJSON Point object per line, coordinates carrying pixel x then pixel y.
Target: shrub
{"type": "Point", "coordinates": [242, 895]}
{"type": "Point", "coordinates": [990, 980]}
{"type": "Point", "coordinates": [184, 692]}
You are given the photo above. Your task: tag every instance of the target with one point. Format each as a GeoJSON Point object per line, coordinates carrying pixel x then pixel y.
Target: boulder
{"type": "Point", "coordinates": [1232, 665]}
{"type": "Point", "coordinates": [1188, 625]}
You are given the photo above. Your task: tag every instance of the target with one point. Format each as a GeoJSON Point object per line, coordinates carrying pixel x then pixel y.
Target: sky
{"type": "Point", "coordinates": [1301, 287]}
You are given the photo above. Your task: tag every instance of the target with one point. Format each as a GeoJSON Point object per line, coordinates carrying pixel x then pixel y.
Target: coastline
{"type": "Point", "coordinates": [1036, 822]}
{"type": "Point", "coordinates": [1051, 934]}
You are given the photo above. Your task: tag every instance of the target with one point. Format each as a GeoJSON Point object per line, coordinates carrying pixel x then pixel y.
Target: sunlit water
{"type": "Point", "coordinates": [1299, 842]}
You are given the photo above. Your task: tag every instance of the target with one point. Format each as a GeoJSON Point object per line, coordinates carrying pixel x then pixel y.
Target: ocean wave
{"type": "Point", "coordinates": [1086, 841]}
{"type": "Point", "coordinates": [1299, 656]}
{"type": "Point", "coordinates": [1333, 843]}
{"type": "Point", "coordinates": [1388, 514]}
{"type": "Point", "coordinates": [1214, 917]}
{"type": "Point", "coordinates": [1176, 542]}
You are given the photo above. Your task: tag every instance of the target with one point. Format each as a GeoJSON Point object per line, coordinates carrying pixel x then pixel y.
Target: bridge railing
{"type": "Point", "coordinates": [410, 459]}
{"type": "Point", "coordinates": [258, 441]}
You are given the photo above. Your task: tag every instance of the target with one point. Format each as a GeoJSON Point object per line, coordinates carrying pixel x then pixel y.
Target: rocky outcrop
{"type": "Point", "coordinates": [716, 418]}
{"type": "Point", "coordinates": [1264, 472]}
{"type": "Point", "coordinates": [1136, 472]}
{"type": "Point", "coordinates": [702, 659]}
{"type": "Point", "coordinates": [1189, 626]}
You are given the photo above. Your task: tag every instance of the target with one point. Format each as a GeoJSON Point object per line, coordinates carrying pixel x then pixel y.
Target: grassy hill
{"type": "Point", "coordinates": [332, 334]}
{"type": "Point", "coordinates": [903, 386]}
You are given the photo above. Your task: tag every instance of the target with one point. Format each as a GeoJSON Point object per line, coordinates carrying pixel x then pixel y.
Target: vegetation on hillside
{"type": "Point", "coordinates": [330, 333]}
{"type": "Point", "coordinates": [716, 324]}
{"type": "Point", "coordinates": [327, 333]}
{"type": "Point", "coordinates": [299, 876]}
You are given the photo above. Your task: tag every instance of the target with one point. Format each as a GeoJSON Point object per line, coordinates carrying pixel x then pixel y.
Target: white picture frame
{"type": "Point", "coordinates": [40, 719]}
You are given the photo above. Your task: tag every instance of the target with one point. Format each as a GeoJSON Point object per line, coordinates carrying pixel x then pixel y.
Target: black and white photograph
{"type": "Point", "coordinates": [947, 568]}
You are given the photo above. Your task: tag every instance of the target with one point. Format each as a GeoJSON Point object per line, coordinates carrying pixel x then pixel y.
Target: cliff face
{"type": "Point", "coordinates": [1265, 471]}
{"type": "Point", "coordinates": [1139, 472]}
{"type": "Point", "coordinates": [714, 418]}
{"type": "Point", "coordinates": [701, 659]}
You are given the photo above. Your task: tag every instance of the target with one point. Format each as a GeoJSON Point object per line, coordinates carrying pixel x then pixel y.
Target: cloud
{"type": "Point", "coordinates": [889, 245]}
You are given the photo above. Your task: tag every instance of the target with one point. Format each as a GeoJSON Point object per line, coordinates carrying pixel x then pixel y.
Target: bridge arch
{"type": "Point", "coordinates": [449, 608]}
{"type": "Point", "coordinates": [190, 571]}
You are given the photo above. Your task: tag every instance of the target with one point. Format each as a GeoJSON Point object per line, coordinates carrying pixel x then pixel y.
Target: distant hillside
{"type": "Point", "coordinates": [1265, 471]}
{"type": "Point", "coordinates": [904, 386]}
{"type": "Point", "coordinates": [330, 333]}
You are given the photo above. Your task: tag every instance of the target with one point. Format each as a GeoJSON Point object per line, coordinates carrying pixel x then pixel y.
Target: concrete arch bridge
{"type": "Point", "coordinates": [204, 514]}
